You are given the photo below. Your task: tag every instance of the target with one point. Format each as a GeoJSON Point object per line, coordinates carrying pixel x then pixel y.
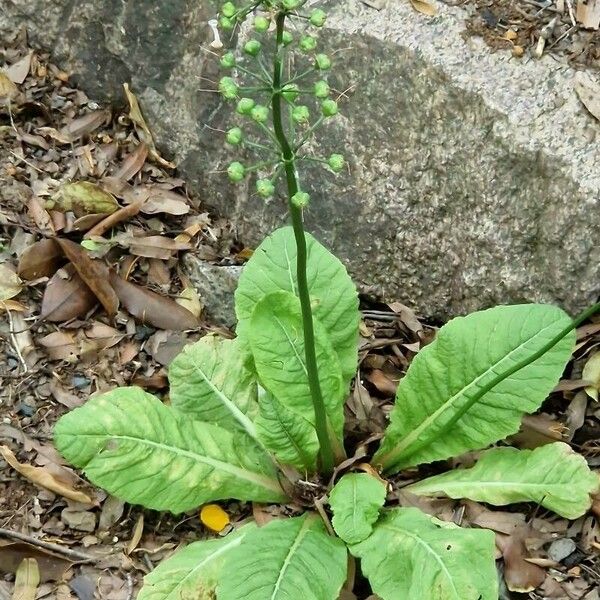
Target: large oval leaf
{"type": "Point", "coordinates": [286, 434]}
{"type": "Point", "coordinates": [285, 559]}
{"type": "Point", "coordinates": [355, 501]}
{"type": "Point", "coordinates": [129, 443]}
{"type": "Point", "coordinates": [277, 341]}
{"type": "Point", "coordinates": [209, 382]}
{"type": "Point", "coordinates": [273, 268]}
{"type": "Point", "coordinates": [552, 476]}
{"type": "Point", "coordinates": [194, 571]}
{"type": "Point", "coordinates": [460, 393]}
{"type": "Point", "coordinates": [413, 556]}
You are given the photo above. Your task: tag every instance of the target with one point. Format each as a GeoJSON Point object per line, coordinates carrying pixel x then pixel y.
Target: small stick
{"type": "Point", "coordinates": [122, 214]}
{"type": "Point", "coordinates": [74, 555]}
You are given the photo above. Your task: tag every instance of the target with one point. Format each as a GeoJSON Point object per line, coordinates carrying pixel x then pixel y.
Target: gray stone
{"type": "Point", "coordinates": [473, 176]}
{"type": "Point", "coordinates": [561, 548]}
{"type": "Point", "coordinates": [215, 285]}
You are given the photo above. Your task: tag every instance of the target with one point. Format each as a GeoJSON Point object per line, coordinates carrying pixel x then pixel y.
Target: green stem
{"type": "Point", "coordinates": [389, 459]}
{"type": "Point", "coordinates": [326, 452]}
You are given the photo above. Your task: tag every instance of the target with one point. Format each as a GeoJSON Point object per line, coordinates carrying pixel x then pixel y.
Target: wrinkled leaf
{"type": "Point", "coordinates": [189, 298]}
{"type": "Point", "coordinates": [424, 7]}
{"type": "Point", "coordinates": [60, 345]}
{"type": "Point", "coordinates": [277, 343]}
{"type": "Point", "coordinates": [272, 268]}
{"type": "Point", "coordinates": [41, 259]}
{"type": "Point", "coordinates": [209, 382]}
{"type": "Point", "coordinates": [460, 392]}
{"type": "Point", "coordinates": [8, 90]}
{"type": "Point", "coordinates": [12, 554]}
{"type": "Point", "coordinates": [355, 501]}
{"type": "Point", "coordinates": [413, 556]}
{"type": "Point", "coordinates": [94, 274]}
{"type": "Point", "coordinates": [290, 437]}
{"type": "Point", "coordinates": [591, 373]}
{"type": "Point", "coordinates": [144, 452]}
{"type": "Point", "coordinates": [66, 296]}
{"type": "Point", "coordinates": [10, 284]}
{"type": "Point", "coordinates": [151, 308]}
{"type": "Point", "coordinates": [18, 71]}
{"type": "Point", "coordinates": [83, 198]}
{"type": "Point", "coordinates": [192, 572]}
{"type": "Point", "coordinates": [284, 559]}
{"type": "Point", "coordinates": [152, 246]}
{"type": "Point", "coordinates": [552, 476]}
{"type": "Point", "coordinates": [44, 478]}
{"type": "Point", "coordinates": [81, 126]}
{"type": "Point", "coordinates": [27, 580]}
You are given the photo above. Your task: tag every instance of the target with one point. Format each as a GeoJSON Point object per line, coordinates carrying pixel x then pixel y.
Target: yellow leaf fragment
{"type": "Point", "coordinates": [10, 283]}
{"type": "Point", "coordinates": [27, 580]}
{"type": "Point", "coordinates": [591, 373]}
{"type": "Point", "coordinates": [83, 198]}
{"type": "Point", "coordinates": [214, 517]}
{"type": "Point", "coordinates": [424, 7]}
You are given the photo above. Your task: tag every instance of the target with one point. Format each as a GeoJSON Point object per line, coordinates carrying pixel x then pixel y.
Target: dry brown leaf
{"type": "Point", "coordinates": [8, 90]}
{"type": "Point", "coordinates": [60, 346]}
{"type": "Point", "coordinates": [41, 477]}
{"type": "Point", "coordinates": [104, 335]}
{"type": "Point", "coordinates": [41, 259]}
{"type": "Point", "coordinates": [190, 299]}
{"type": "Point", "coordinates": [27, 580]}
{"type": "Point", "coordinates": [124, 213]}
{"type": "Point", "coordinates": [424, 7]}
{"type": "Point", "coordinates": [83, 198]}
{"type": "Point", "coordinates": [66, 296]}
{"type": "Point", "coordinates": [575, 414]}
{"type": "Point", "coordinates": [12, 305]}
{"type": "Point", "coordinates": [382, 382]}
{"type": "Point", "coordinates": [588, 13]}
{"type": "Point", "coordinates": [165, 201]}
{"type": "Point", "coordinates": [10, 284]}
{"type": "Point", "coordinates": [138, 531]}
{"type": "Point", "coordinates": [86, 222]}
{"type": "Point", "coordinates": [40, 216]}
{"type": "Point", "coordinates": [12, 554]}
{"type": "Point", "coordinates": [588, 90]}
{"type": "Point", "coordinates": [82, 126]}
{"type": "Point", "coordinates": [142, 129]}
{"type": "Point", "coordinates": [151, 308]}
{"type": "Point", "coordinates": [153, 246]}
{"type": "Point", "coordinates": [93, 273]}
{"type": "Point", "coordinates": [18, 71]}
{"type": "Point", "coordinates": [133, 163]}
{"type": "Point", "coordinates": [537, 430]}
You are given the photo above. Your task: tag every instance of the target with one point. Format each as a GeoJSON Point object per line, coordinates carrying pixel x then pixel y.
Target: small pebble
{"type": "Point", "coordinates": [80, 382]}
{"type": "Point", "coordinates": [560, 549]}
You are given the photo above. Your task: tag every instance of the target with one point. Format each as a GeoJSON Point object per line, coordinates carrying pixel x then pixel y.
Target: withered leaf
{"type": "Point", "coordinates": [588, 90]}
{"type": "Point", "coordinates": [66, 296]}
{"type": "Point", "coordinates": [83, 198]}
{"type": "Point", "coordinates": [45, 479]}
{"type": "Point", "coordinates": [10, 284]}
{"type": "Point", "coordinates": [83, 125]}
{"type": "Point", "coordinates": [132, 163]}
{"type": "Point", "coordinates": [93, 273]}
{"type": "Point", "coordinates": [40, 216]}
{"type": "Point", "coordinates": [27, 580]}
{"type": "Point", "coordinates": [153, 246]}
{"type": "Point", "coordinates": [165, 201]}
{"type": "Point", "coordinates": [8, 90]}
{"type": "Point", "coordinates": [12, 554]}
{"type": "Point", "coordinates": [60, 345]}
{"type": "Point", "coordinates": [41, 259]}
{"type": "Point", "coordinates": [18, 71]}
{"type": "Point", "coordinates": [424, 7]}
{"type": "Point", "coordinates": [151, 308]}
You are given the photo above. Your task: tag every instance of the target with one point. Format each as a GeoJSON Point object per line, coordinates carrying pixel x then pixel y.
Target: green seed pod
{"type": "Point", "coordinates": [234, 136]}
{"type": "Point", "coordinates": [244, 106]}
{"type": "Point", "coordinates": [308, 43]}
{"type": "Point", "coordinates": [228, 60]}
{"type": "Point", "coordinates": [252, 47]}
{"type": "Point", "coordinates": [329, 108]}
{"type": "Point", "coordinates": [259, 113]}
{"type": "Point", "coordinates": [291, 4]}
{"type": "Point", "coordinates": [236, 171]}
{"type": "Point", "coordinates": [261, 24]}
{"type": "Point", "coordinates": [300, 200]}
{"type": "Point", "coordinates": [301, 114]}
{"type": "Point", "coordinates": [321, 89]}
{"type": "Point", "coordinates": [318, 17]}
{"type": "Point", "coordinates": [265, 188]}
{"type": "Point", "coordinates": [226, 23]}
{"type": "Point", "coordinates": [228, 9]}
{"type": "Point", "coordinates": [322, 62]}
{"type": "Point", "coordinates": [228, 88]}
{"type": "Point", "coordinates": [336, 162]}
{"type": "Point", "coordinates": [290, 92]}
{"type": "Point", "coordinates": [287, 38]}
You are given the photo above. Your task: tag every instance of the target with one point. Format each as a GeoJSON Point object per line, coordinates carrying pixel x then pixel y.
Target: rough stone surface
{"type": "Point", "coordinates": [473, 176]}
{"type": "Point", "coordinates": [216, 285]}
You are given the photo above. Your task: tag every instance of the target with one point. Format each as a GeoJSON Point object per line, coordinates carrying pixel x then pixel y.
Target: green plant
{"type": "Point", "coordinates": [261, 418]}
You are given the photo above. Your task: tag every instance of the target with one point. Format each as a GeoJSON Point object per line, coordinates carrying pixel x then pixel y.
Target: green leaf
{"type": "Point", "coordinates": [335, 302]}
{"type": "Point", "coordinates": [287, 435]}
{"type": "Point", "coordinates": [193, 572]}
{"type": "Point", "coordinates": [553, 476]}
{"type": "Point", "coordinates": [209, 382]}
{"type": "Point", "coordinates": [286, 559]}
{"type": "Point", "coordinates": [460, 393]}
{"type": "Point", "coordinates": [277, 342]}
{"type": "Point", "coordinates": [142, 451]}
{"type": "Point", "coordinates": [355, 501]}
{"type": "Point", "coordinates": [413, 556]}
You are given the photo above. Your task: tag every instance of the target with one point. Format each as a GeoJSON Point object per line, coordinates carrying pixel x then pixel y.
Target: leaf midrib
{"type": "Point", "coordinates": [260, 480]}
{"type": "Point", "coordinates": [484, 483]}
{"type": "Point", "coordinates": [393, 456]}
